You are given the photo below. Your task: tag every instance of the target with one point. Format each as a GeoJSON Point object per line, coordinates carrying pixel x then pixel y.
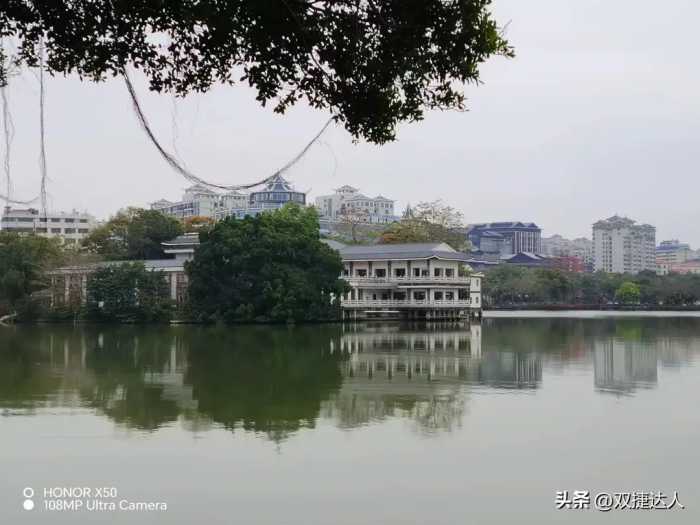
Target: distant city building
{"type": "Point", "coordinates": [568, 263]}
{"type": "Point", "coordinates": [70, 227]}
{"type": "Point", "coordinates": [348, 200]}
{"type": "Point", "coordinates": [692, 266]}
{"type": "Point", "coordinates": [558, 246]}
{"type": "Point", "coordinates": [670, 253]}
{"type": "Point", "coordinates": [200, 201]}
{"type": "Point", "coordinates": [505, 238]}
{"type": "Point", "coordinates": [622, 246]}
{"type": "Point", "coordinates": [275, 194]}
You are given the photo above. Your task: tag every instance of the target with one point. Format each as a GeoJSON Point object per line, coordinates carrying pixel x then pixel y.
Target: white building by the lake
{"type": "Point", "coordinates": [413, 281]}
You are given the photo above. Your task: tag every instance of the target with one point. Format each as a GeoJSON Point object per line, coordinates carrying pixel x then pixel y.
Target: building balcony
{"type": "Point", "coordinates": [407, 303]}
{"type": "Point", "coordinates": [456, 280]}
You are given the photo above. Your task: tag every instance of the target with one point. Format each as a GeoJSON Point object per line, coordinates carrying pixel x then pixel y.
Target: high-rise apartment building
{"type": "Point", "coordinates": [620, 245]}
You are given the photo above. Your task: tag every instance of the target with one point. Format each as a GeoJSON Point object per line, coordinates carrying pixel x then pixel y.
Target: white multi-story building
{"type": "Point", "coordinates": [413, 281]}
{"type": "Point", "coordinates": [200, 201]}
{"type": "Point", "coordinates": [622, 246]}
{"type": "Point", "coordinates": [348, 201]}
{"type": "Point", "coordinates": [70, 227]}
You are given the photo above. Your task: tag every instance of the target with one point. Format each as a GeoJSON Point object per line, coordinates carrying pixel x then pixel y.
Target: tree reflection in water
{"type": "Point", "coordinates": [278, 380]}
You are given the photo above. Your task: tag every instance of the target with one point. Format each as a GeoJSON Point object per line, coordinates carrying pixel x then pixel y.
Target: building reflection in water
{"type": "Point", "coordinates": [623, 366]}
{"type": "Point", "coordinates": [410, 372]}
{"type": "Point", "coordinates": [276, 381]}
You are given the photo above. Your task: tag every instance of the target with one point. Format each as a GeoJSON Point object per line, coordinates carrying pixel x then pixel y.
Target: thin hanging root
{"type": "Point", "coordinates": [173, 162]}
{"type": "Point", "coordinates": [42, 131]}
{"type": "Point", "coordinates": [9, 133]}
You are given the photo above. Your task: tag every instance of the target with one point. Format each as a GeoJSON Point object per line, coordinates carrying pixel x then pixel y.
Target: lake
{"type": "Point", "coordinates": [354, 424]}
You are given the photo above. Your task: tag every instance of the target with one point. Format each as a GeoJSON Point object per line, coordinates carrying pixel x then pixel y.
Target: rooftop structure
{"type": "Point", "coordinates": [275, 194]}
{"type": "Point", "coordinates": [620, 245]}
{"type": "Point", "coordinates": [348, 201]}
{"type": "Point", "coordinates": [70, 227]}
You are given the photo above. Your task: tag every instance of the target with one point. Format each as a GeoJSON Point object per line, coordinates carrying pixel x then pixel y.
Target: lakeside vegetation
{"type": "Point", "coordinates": [513, 286]}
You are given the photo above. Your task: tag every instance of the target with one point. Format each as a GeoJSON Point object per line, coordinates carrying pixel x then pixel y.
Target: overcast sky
{"type": "Point", "coordinates": [598, 114]}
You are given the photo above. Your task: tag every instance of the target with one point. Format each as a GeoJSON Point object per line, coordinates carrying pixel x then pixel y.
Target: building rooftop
{"type": "Point", "coordinates": [402, 251]}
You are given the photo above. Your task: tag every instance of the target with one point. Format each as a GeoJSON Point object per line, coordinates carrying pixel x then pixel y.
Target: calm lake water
{"type": "Point", "coordinates": [377, 424]}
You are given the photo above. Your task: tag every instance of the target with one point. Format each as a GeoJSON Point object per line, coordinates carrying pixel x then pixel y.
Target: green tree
{"type": "Point", "coordinates": [628, 293]}
{"type": "Point", "coordinates": [272, 267]}
{"type": "Point", "coordinates": [127, 292]}
{"type": "Point", "coordinates": [133, 234]}
{"type": "Point", "coordinates": [23, 261]}
{"type": "Point", "coordinates": [374, 64]}
{"type": "Point", "coordinates": [427, 222]}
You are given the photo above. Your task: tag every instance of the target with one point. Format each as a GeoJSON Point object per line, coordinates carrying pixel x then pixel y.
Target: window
{"type": "Point", "coordinates": [416, 272]}
{"type": "Point", "coordinates": [55, 230]}
{"type": "Point", "coordinates": [437, 296]}
{"type": "Point", "coordinates": [83, 230]}
{"type": "Point", "coordinates": [25, 219]}
{"type": "Point", "coordinates": [70, 230]}
{"type": "Point", "coordinates": [449, 272]}
{"type": "Point", "coordinates": [399, 296]}
{"type": "Point", "coordinates": [70, 220]}
{"type": "Point", "coordinates": [361, 273]}
{"type": "Point", "coordinates": [450, 296]}
{"type": "Point", "coordinates": [419, 296]}
{"type": "Point", "coordinates": [425, 273]}
{"type": "Point", "coordinates": [83, 220]}
{"type": "Point", "coordinates": [380, 272]}
{"type": "Point", "coordinates": [53, 219]}
{"type": "Point", "coordinates": [437, 272]}
{"type": "Point", "coordinates": [400, 272]}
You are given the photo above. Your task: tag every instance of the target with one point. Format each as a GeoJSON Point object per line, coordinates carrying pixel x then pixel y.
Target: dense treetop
{"type": "Point", "coordinates": [133, 234]}
{"type": "Point", "coordinates": [271, 267]}
{"type": "Point", "coordinates": [372, 63]}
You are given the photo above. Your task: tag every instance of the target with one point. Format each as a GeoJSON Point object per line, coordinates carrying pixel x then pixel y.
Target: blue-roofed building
{"type": "Point", "coordinates": [276, 193]}
{"type": "Point", "coordinates": [505, 238]}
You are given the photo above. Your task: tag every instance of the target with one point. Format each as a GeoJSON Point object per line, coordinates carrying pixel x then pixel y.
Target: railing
{"type": "Point", "coordinates": [407, 279]}
{"type": "Point", "coordinates": [413, 303]}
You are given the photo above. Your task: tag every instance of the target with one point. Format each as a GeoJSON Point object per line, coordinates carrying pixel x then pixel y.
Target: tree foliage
{"type": "Point", "coordinates": [23, 261]}
{"type": "Point", "coordinates": [374, 63]}
{"type": "Point", "coordinates": [516, 285]}
{"type": "Point", "coordinates": [133, 234]}
{"type": "Point", "coordinates": [628, 293]}
{"type": "Point", "coordinates": [197, 223]}
{"type": "Point", "coordinates": [427, 222]}
{"type": "Point", "coordinates": [127, 292]}
{"type": "Point", "coordinates": [272, 267]}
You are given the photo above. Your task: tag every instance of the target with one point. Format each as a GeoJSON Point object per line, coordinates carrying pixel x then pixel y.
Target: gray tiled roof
{"type": "Point", "coordinates": [187, 239]}
{"type": "Point", "coordinates": [401, 251]}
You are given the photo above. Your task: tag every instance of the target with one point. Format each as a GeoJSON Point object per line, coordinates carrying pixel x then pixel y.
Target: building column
{"type": "Point", "coordinates": [173, 286]}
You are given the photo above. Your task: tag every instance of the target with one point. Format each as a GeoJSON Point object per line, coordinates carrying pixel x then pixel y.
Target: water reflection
{"type": "Point", "coordinates": [276, 381]}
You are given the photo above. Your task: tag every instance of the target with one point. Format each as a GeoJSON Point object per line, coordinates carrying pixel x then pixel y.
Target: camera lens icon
{"type": "Point", "coordinates": [28, 493]}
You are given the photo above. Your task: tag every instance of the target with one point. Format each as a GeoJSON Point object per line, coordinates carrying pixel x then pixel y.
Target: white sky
{"type": "Point", "coordinates": [598, 114]}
